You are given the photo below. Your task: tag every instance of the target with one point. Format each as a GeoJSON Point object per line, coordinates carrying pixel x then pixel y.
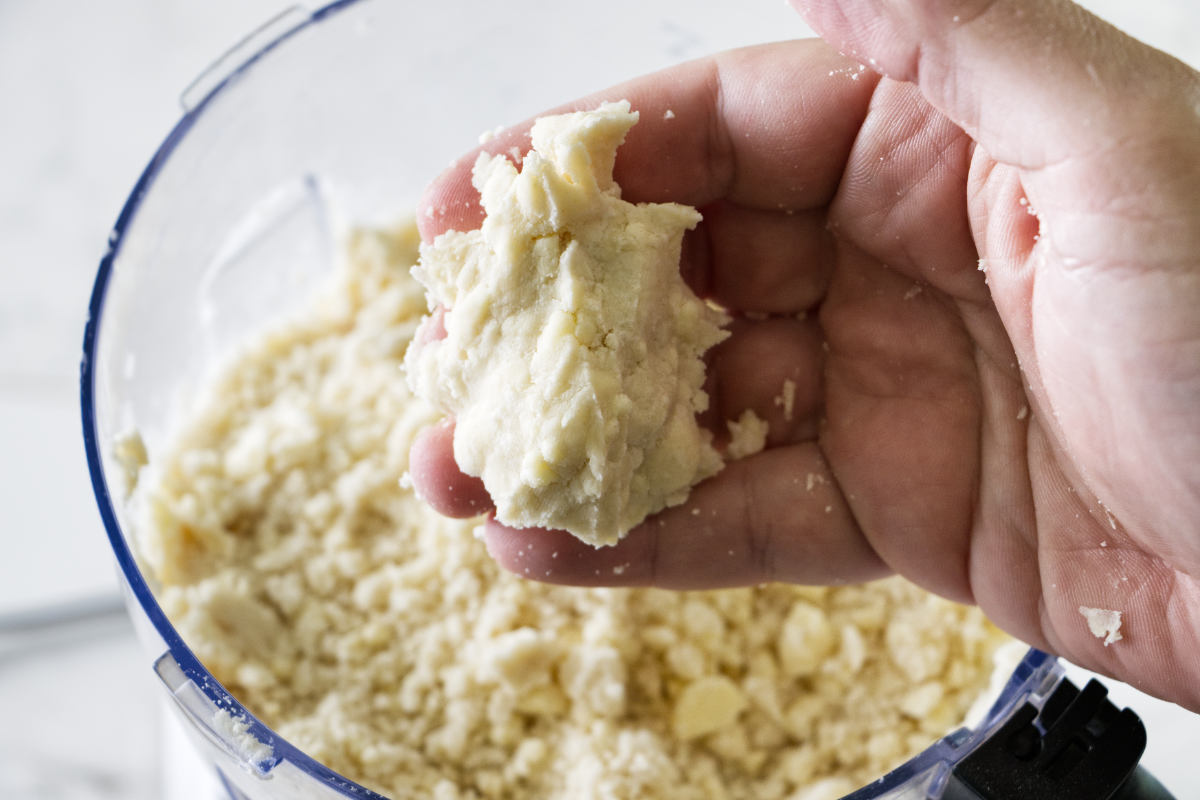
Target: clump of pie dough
{"type": "Point", "coordinates": [572, 356]}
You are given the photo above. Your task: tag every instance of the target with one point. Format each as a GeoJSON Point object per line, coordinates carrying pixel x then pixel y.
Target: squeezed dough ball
{"type": "Point", "coordinates": [572, 360]}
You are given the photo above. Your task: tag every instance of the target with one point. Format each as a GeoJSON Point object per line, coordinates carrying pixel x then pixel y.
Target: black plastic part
{"type": "Point", "coordinates": [1078, 747]}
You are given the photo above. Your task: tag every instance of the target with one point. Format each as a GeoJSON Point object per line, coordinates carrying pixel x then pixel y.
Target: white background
{"type": "Point", "coordinates": [87, 91]}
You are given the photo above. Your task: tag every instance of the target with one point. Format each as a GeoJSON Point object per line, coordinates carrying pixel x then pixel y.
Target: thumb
{"type": "Point", "coordinates": [1032, 81]}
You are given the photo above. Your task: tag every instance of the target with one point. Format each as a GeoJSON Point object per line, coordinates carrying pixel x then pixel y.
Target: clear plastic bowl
{"type": "Point", "coordinates": [345, 113]}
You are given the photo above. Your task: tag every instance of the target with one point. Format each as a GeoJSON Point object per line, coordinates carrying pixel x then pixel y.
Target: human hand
{"type": "Point", "coordinates": [995, 248]}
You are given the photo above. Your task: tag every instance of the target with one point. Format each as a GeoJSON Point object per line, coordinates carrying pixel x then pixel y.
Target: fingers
{"type": "Point", "coordinates": [1033, 81]}
{"type": "Point", "coordinates": [777, 516]}
{"type": "Point", "coordinates": [437, 478]}
{"type": "Point", "coordinates": [765, 127]}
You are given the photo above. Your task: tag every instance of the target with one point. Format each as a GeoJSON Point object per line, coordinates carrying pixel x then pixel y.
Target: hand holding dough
{"type": "Point", "coordinates": [979, 271]}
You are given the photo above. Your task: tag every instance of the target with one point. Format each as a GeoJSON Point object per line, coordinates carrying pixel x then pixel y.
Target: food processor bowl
{"type": "Point", "coordinates": [317, 119]}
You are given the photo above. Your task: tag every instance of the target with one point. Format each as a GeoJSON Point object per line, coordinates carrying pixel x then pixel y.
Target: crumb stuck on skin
{"type": "Point", "coordinates": [786, 399]}
{"type": "Point", "coordinates": [1103, 623]}
{"type": "Point", "coordinates": [747, 435]}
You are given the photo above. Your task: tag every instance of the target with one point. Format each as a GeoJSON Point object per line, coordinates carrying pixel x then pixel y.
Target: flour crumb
{"type": "Point", "coordinates": [913, 291]}
{"type": "Point", "coordinates": [1103, 623]}
{"type": "Point", "coordinates": [1108, 515]}
{"type": "Point", "coordinates": [236, 731]}
{"type": "Point", "coordinates": [668, 114]}
{"type": "Point", "coordinates": [786, 399]}
{"type": "Point", "coordinates": [1023, 413]}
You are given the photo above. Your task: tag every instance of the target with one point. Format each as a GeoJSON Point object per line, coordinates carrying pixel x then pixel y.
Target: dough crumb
{"type": "Point", "coordinates": [487, 136]}
{"type": "Point", "coordinates": [1103, 623]}
{"type": "Point", "coordinates": [668, 114]}
{"type": "Point", "coordinates": [747, 435]}
{"type": "Point", "coordinates": [129, 451]}
{"type": "Point", "coordinates": [787, 399]}
{"type": "Point", "coordinates": [572, 357]}
{"type": "Point", "coordinates": [707, 705]}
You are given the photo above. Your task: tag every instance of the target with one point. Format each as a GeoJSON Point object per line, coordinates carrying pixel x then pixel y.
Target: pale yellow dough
{"type": "Point", "coordinates": [381, 639]}
{"type": "Point", "coordinates": [572, 360]}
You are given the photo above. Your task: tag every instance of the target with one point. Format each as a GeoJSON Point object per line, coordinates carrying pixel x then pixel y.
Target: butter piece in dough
{"type": "Point", "coordinates": [572, 358]}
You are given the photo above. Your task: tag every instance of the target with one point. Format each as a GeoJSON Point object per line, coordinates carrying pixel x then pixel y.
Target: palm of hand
{"type": "Point", "coordinates": [980, 442]}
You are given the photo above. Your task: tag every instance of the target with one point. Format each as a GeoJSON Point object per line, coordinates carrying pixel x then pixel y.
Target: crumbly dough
{"type": "Point", "coordinates": [572, 360]}
{"type": "Point", "coordinates": [379, 637]}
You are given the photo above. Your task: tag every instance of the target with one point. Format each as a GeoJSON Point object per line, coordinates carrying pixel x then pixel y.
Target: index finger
{"type": "Point", "coordinates": [766, 127]}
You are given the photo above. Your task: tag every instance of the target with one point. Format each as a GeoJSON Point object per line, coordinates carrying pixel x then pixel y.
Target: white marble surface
{"type": "Point", "coordinates": [87, 90]}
